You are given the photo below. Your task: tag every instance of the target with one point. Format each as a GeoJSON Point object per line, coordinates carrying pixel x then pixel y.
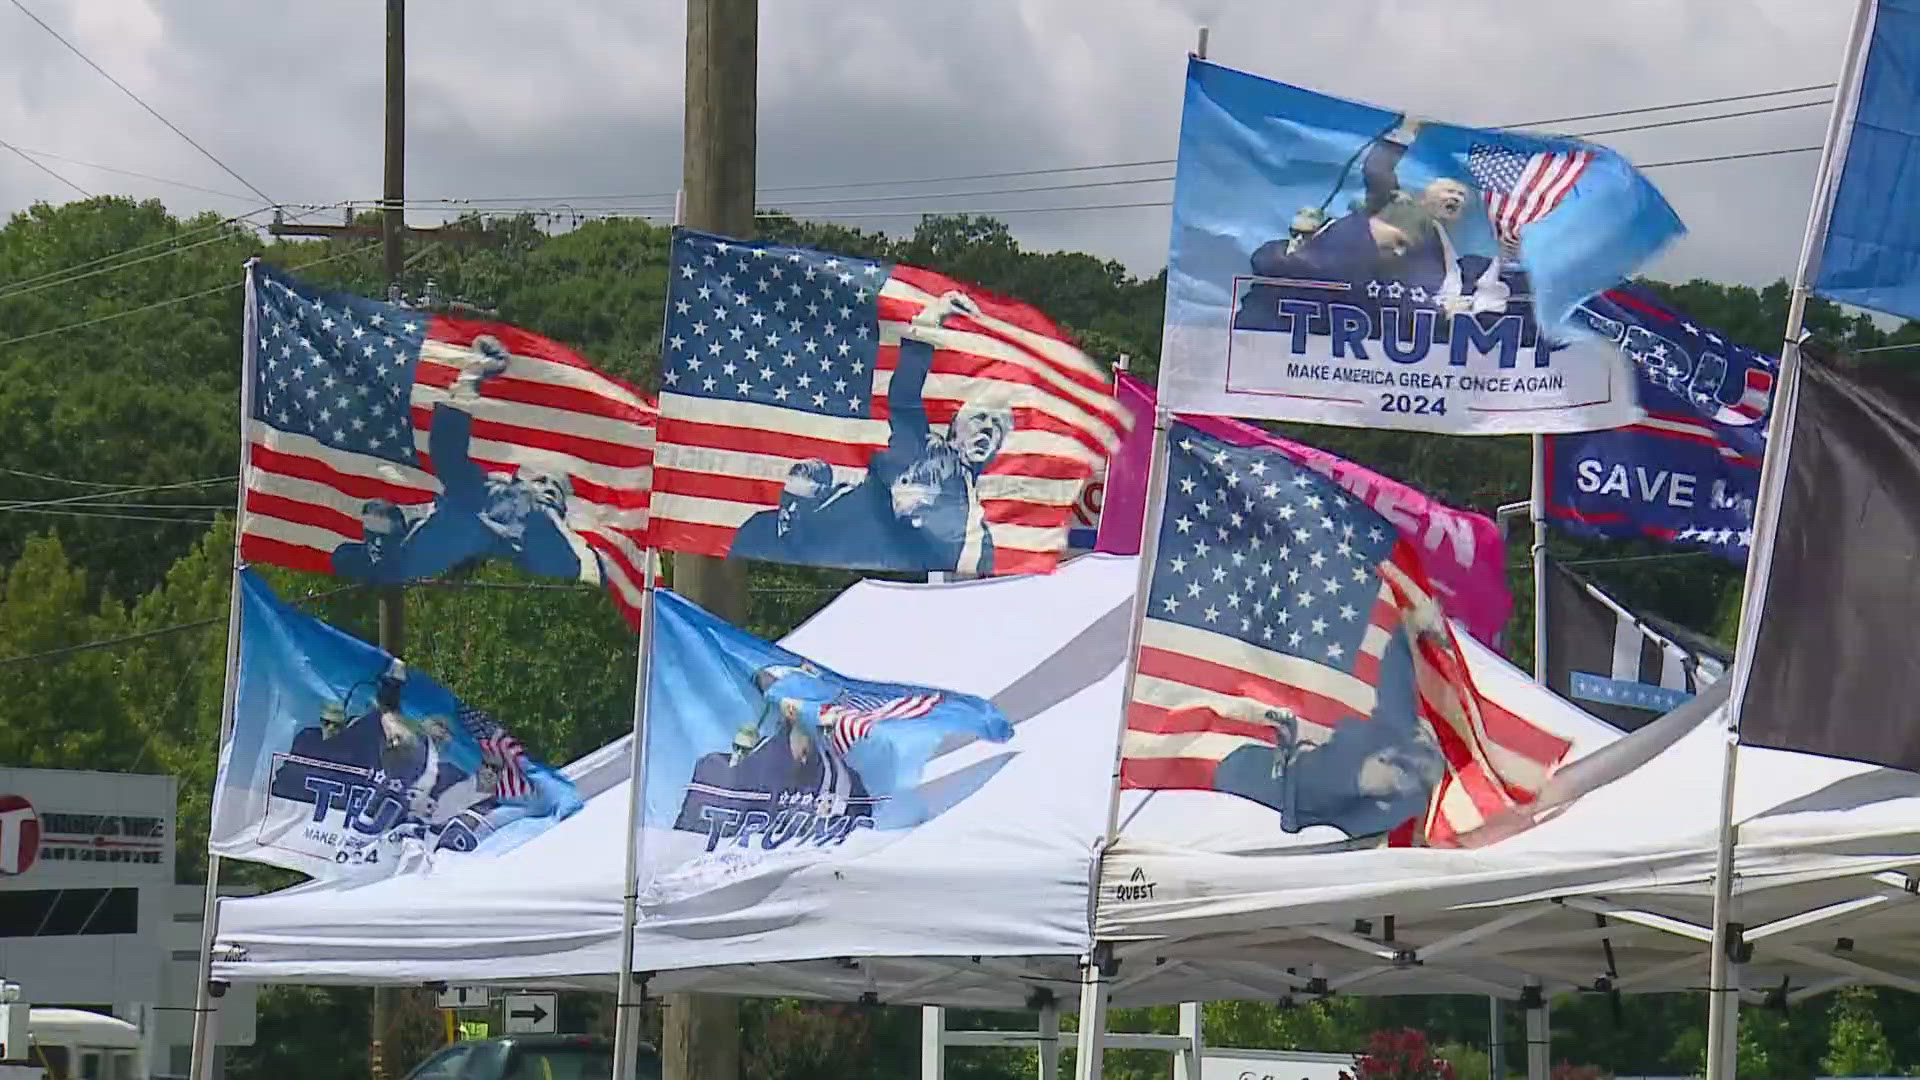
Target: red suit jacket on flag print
{"type": "Point", "coordinates": [388, 444]}
{"type": "Point", "coordinates": [1294, 653]}
{"type": "Point", "coordinates": [832, 411]}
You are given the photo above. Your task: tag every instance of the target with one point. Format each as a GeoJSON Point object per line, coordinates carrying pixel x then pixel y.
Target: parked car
{"type": "Point", "coordinates": [533, 1057]}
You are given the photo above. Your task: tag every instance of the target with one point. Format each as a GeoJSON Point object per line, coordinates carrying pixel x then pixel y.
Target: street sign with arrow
{"type": "Point", "coordinates": [532, 1014]}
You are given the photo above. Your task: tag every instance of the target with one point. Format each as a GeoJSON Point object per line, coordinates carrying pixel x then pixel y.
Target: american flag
{"type": "Point", "coordinates": [779, 355]}
{"type": "Point", "coordinates": [1273, 591]}
{"type": "Point", "coordinates": [1522, 187]}
{"type": "Point", "coordinates": [499, 750]}
{"type": "Point", "coordinates": [852, 716]}
{"type": "Point", "coordinates": [345, 392]}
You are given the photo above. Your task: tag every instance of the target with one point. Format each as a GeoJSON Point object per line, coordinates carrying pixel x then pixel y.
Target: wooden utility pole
{"type": "Point", "coordinates": [700, 1033]}
{"type": "Point", "coordinates": [393, 258]}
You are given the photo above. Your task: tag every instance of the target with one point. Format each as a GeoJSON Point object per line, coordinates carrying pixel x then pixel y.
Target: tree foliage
{"type": "Point", "coordinates": [119, 360]}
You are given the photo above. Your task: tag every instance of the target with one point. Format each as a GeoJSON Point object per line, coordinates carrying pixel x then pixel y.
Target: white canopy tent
{"type": "Point", "coordinates": [993, 905]}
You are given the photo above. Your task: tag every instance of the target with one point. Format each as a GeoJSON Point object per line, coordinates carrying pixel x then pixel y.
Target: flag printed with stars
{"type": "Point", "coordinates": [832, 411]}
{"type": "Point", "coordinates": [1293, 653]}
{"type": "Point", "coordinates": [388, 444]}
{"type": "Point", "coordinates": [1689, 471]}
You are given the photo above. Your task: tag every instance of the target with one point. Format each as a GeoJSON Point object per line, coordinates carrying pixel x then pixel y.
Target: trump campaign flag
{"type": "Point", "coordinates": [1689, 471]}
{"type": "Point", "coordinates": [760, 761]}
{"type": "Point", "coordinates": [343, 761]}
{"type": "Point", "coordinates": [832, 411]}
{"type": "Point", "coordinates": [1295, 653]}
{"type": "Point", "coordinates": [1336, 263]}
{"type": "Point", "coordinates": [1871, 256]}
{"type": "Point", "coordinates": [387, 443]}
{"type": "Point", "coordinates": [1461, 551]}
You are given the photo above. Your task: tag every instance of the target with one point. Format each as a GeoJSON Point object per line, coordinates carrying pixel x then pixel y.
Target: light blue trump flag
{"type": "Point", "coordinates": [1333, 262]}
{"type": "Point", "coordinates": [342, 761]}
{"type": "Point", "coordinates": [756, 754]}
{"type": "Point", "coordinates": [1872, 253]}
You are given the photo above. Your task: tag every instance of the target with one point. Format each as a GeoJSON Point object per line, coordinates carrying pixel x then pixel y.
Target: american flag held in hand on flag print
{"type": "Point", "coordinates": [499, 751]}
{"type": "Point", "coordinates": [833, 411]}
{"type": "Point", "coordinates": [389, 444]}
{"type": "Point", "coordinates": [1294, 653]}
{"type": "Point", "coordinates": [1522, 187]}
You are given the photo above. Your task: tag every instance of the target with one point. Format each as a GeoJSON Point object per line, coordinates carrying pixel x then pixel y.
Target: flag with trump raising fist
{"type": "Point", "coordinates": [387, 444]}
{"type": "Point", "coordinates": [834, 411]}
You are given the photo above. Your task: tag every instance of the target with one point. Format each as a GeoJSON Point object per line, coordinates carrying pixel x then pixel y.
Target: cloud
{"type": "Point", "coordinates": [511, 99]}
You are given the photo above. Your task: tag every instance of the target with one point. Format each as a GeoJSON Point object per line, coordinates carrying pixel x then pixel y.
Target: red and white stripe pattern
{"type": "Point", "coordinates": [1756, 396]}
{"type": "Point", "coordinates": [546, 409]}
{"type": "Point", "coordinates": [1274, 600]}
{"type": "Point", "coordinates": [1522, 188]}
{"type": "Point", "coordinates": [851, 719]}
{"type": "Point", "coordinates": [501, 750]}
{"type": "Point", "coordinates": [807, 378]}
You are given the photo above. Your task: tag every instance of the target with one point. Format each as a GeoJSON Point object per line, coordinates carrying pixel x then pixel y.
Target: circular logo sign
{"type": "Point", "coordinates": [19, 835]}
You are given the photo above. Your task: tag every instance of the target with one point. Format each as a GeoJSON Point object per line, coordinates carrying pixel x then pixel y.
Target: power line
{"type": "Point", "coordinates": [43, 167]}
{"type": "Point", "coordinates": [110, 256]}
{"type": "Point", "coordinates": [1704, 119]}
{"type": "Point", "coordinates": [200, 521]}
{"type": "Point", "coordinates": [175, 486]}
{"type": "Point", "coordinates": [136, 100]}
{"type": "Point", "coordinates": [165, 303]}
{"type": "Point", "coordinates": [1665, 108]}
{"type": "Point", "coordinates": [61, 479]}
{"type": "Point", "coordinates": [474, 200]}
{"type": "Point", "coordinates": [1730, 157]}
{"type": "Point", "coordinates": [126, 639]}
{"type": "Point", "coordinates": [116, 267]}
{"type": "Point", "coordinates": [130, 172]}
{"type": "Point", "coordinates": [998, 191]}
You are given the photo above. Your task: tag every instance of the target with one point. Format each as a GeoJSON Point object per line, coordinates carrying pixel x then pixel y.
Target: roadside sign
{"type": "Point", "coordinates": [532, 1014]}
{"type": "Point", "coordinates": [464, 997]}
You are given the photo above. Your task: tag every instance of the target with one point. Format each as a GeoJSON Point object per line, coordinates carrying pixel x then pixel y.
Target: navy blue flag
{"type": "Point", "coordinates": [342, 761]}
{"type": "Point", "coordinates": [1872, 252]}
{"type": "Point", "coordinates": [1689, 472]}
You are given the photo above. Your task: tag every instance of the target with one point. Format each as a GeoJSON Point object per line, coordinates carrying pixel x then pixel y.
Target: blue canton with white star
{"type": "Point", "coordinates": [773, 325]}
{"type": "Point", "coordinates": [1267, 551]}
{"type": "Point", "coordinates": [335, 367]}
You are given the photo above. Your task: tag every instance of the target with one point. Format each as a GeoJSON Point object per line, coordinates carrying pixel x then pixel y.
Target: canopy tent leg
{"type": "Point", "coordinates": [1050, 1040]}
{"type": "Point", "coordinates": [1496, 1038]}
{"type": "Point", "coordinates": [1090, 1048]}
{"type": "Point", "coordinates": [1186, 1064]}
{"type": "Point", "coordinates": [933, 1042]}
{"type": "Point", "coordinates": [1539, 1033]}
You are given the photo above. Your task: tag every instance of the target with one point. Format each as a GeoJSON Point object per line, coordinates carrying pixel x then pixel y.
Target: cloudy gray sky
{"type": "Point", "coordinates": [582, 98]}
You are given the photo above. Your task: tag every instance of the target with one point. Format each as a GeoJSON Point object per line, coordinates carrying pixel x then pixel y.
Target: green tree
{"type": "Point", "coordinates": [1856, 1044]}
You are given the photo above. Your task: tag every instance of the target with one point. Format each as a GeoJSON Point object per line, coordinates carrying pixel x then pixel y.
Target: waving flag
{"type": "Point", "coordinates": [1461, 551]}
{"type": "Point", "coordinates": [1336, 263]}
{"type": "Point", "coordinates": [1294, 653]}
{"type": "Point", "coordinates": [1688, 473]}
{"type": "Point", "coordinates": [1871, 254]}
{"type": "Point", "coordinates": [760, 760]}
{"type": "Point", "coordinates": [831, 411]}
{"type": "Point", "coordinates": [388, 443]}
{"type": "Point", "coordinates": [342, 761]}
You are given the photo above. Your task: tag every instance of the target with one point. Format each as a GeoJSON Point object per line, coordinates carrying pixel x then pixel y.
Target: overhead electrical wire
{"type": "Point", "coordinates": [115, 268]}
{"type": "Point", "coordinates": [474, 200]}
{"type": "Point", "coordinates": [45, 168]}
{"type": "Point", "coordinates": [150, 245]}
{"type": "Point", "coordinates": [175, 128]}
{"type": "Point", "coordinates": [130, 172]}
{"type": "Point", "coordinates": [355, 250]}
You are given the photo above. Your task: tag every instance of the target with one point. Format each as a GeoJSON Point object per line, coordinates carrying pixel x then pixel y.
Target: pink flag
{"type": "Point", "coordinates": [1460, 550]}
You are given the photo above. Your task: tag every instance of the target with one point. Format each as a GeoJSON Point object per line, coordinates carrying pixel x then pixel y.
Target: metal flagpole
{"type": "Point", "coordinates": [626, 1008]}
{"type": "Point", "coordinates": [201, 1067]}
{"type": "Point", "coordinates": [1537, 509]}
{"type": "Point", "coordinates": [1090, 1045]}
{"type": "Point", "coordinates": [1723, 999]}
